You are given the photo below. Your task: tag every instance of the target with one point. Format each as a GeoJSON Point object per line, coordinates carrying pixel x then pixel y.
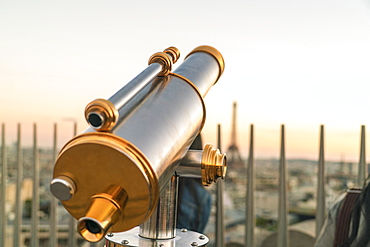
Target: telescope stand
{"type": "Point", "coordinates": [135, 139]}
{"type": "Point", "coordinates": [160, 230]}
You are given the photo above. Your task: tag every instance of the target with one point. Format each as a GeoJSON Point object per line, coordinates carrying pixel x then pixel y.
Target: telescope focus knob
{"type": "Point", "coordinates": [214, 165]}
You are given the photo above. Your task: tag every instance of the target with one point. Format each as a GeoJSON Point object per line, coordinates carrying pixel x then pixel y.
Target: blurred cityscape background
{"type": "Point", "coordinates": [302, 185]}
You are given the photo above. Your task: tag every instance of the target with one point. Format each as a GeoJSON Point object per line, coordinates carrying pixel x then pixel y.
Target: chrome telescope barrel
{"type": "Point", "coordinates": [103, 114]}
{"type": "Point", "coordinates": [110, 178]}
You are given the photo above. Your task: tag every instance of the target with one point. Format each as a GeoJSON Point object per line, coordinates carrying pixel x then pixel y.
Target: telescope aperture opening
{"type": "Point", "coordinates": [92, 226]}
{"type": "Point", "coordinates": [90, 229]}
{"type": "Point", "coordinates": [95, 120]}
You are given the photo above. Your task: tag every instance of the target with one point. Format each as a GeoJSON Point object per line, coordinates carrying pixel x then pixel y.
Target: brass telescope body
{"type": "Point", "coordinates": [110, 177]}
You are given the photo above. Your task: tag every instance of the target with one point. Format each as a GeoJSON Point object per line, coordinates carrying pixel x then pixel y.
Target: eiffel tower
{"type": "Point", "coordinates": [233, 155]}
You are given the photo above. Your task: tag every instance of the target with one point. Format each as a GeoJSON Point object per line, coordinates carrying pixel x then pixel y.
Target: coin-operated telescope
{"type": "Point", "coordinates": [119, 177]}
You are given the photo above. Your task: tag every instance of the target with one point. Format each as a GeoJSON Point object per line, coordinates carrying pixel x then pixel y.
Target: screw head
{"type": "Point", "coordinates": [125, 241]}
{"type": "Point", "coordinates": [110, 234]}
{"type": "Point", "coordinates": [202, 237]}
{"type": "Point", "coordinates": [194, 244]}
{"type": "Point", "coordinates": [184, 230]}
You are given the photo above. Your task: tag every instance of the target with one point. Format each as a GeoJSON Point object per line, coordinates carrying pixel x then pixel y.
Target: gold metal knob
{"type": "Point", "coordinates": [213, 165]}
{"type": "Point", "coordinates": [63, 188]}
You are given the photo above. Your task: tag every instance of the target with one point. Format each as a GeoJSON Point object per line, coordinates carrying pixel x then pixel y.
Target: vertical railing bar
{"type": "Point", "coordinates": [283, 233]}
{"type": "Point", "coordinates": [3, 217]}
{"type": "Point", "coordinates": [18, 195]}
{"type": "Point", "coordinates": [72, 237]}
{"type": "Point", "coordinates": [362, 171]}
{"type": "Point", "coordinates": [35, 192]}
{"type": "Point", "coordinates": [75, 129]}
{"type": "Point", "coordinates": [220, 227]}
{"type": "Point", "coordinates": [321, 182]}
{"type": "Point", "coordinates": [249, 210]}
{"type": "Point", "coordinates": [53, 203]}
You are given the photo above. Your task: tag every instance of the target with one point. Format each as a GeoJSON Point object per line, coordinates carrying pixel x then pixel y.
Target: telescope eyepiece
{"type": "Point", "coordinates": [105, 210]}
{"type": "Point", "coordinates": [91, 230]}
{"type": "Point", "coordinates": [92, 227]}
{"type": "Point", "coordinates": [95, 120]}
{"type": "Point", "coordinates": [101, 114]}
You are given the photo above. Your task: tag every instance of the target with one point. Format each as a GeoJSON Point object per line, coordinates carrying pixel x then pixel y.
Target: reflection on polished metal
{"type": "Point", "coordinates": [190, 165]}
{"type": "Point", "coordinates": [211, 161]}
{"type": "Point", "coordinates": [184, 238]}
{"type": "Point", "coordinates": [102, 114]}
{"type": "Point", "coordinates": [213, 52]}
{"type": "Point", "coordinates": [162, 223]}
{"type": "Point", "coordinates": [213, 165]}
{"type": "Point", "coordinates": [140, 152]}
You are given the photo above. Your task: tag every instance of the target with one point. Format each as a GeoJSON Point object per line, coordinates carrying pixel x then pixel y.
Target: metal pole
{"type": "Point", "coordinates": [72, 236]}
{"type": "Point", "coordinates": [321, 195]}
{"type": "Point", "coordinates": [3, 189]}
{"type": "Point", "coordinates": [362, 171]}
{"type": "Point", "coordinates": [162, 223]}
{"type": "Point", "coordinates": [35, 192]}
{"type": "Point", "coordinates": [54, 203]}
{"type": "Point", "coordinates": [249, 211]}
{"type": "Point", "coordinates": [220, 227]}
{"type": "Point", "coordinates": [18, 199]}
{"type": "Point", "coordinates": [283, 233]}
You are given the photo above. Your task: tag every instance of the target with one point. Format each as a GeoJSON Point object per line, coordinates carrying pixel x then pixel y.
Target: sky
{"type": "Point", "coordinates": [292, 62]}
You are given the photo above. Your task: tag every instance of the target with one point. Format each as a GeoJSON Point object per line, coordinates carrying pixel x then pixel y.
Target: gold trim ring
{"type": "Point", "coordinates": [97, 160]}
{"type": "Point", "coordinates": [101, 114]}
{"type": "Point", "coordinates": [213, 52]}
{"type": "Point", "coordinates": [166, 58]}
{"type": "Point", "coordinates": [214, 165]}
{"type": "Point", "coordinates": [198, 93]}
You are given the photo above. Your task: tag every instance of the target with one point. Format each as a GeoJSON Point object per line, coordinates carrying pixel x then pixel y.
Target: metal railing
{"type": "Point", "coordinates": [52, 231]}
{"type": "Point", "coordinates": [31, 231]}
{"type": "Point", "coordinates": [283, 237]}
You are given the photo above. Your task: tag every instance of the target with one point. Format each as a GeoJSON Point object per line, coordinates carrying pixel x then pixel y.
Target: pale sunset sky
{"type": "Point", "coordinates": [294, 62]}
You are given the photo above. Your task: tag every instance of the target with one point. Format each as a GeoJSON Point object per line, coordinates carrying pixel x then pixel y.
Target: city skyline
{"type": "Point", "coordinates": [296, 63]}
